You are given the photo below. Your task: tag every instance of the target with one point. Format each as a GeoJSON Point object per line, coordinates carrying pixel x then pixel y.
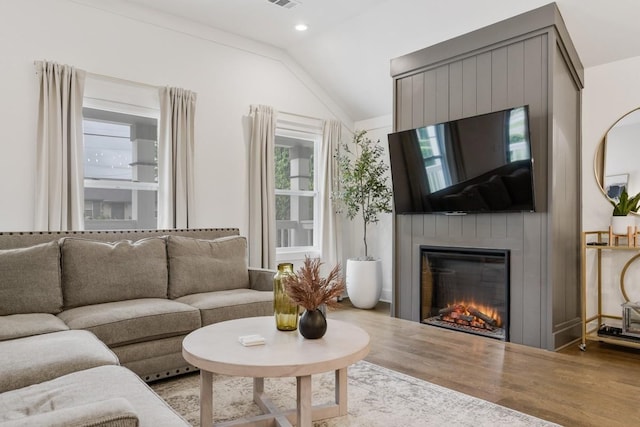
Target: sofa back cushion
{"type": "Point", "coordinates": [30, 280]}
{"type": "Point", "coordinates": [197, 266]}
{"type": "Point", "coordinates": [96, 272]}
{"type": "Point", "coordinates": [518, 184]}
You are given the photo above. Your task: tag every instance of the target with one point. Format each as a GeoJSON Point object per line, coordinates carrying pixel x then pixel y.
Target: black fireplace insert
{"type": "Point", "coordinates": [465, 289]}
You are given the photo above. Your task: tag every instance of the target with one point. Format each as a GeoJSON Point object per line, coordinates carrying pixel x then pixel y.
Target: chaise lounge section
{"type": "Point", "coordinates": [71, 378]}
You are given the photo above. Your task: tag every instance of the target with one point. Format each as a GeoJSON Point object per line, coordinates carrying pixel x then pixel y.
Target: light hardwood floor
{"type": "Point", "coordinates": [599, 387]}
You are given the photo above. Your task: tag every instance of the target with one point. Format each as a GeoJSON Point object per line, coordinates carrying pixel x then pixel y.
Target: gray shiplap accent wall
{"type": "Point", "coordinates": [535, 68]}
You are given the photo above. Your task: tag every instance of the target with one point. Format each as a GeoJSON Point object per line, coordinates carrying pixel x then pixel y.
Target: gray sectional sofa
{"type": "Point", "coordinates": [79, 308]}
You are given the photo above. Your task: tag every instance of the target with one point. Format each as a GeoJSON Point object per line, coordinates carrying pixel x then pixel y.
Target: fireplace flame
{"type": "Point", "coordinates": [471, 314]}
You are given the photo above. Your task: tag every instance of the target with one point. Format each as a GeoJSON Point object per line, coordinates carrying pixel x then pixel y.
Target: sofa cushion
{"type": "Point", "coordinates": [261, 279]}
{"type": "Point", "coordinates": [115, 412]}
{"type": "Point", "coordinates": [131, 321]}
{"type": "Point", "coordinates": [96, 272]}
{"type": "Point", "coordinates": [30, 280]}
{"type": "Point", "coordinates": [518, 184]}
{"type": "Point", "coordinates": [468, 199]}
{"type": "Point", "coordinates": [26, 325]}
{"type": "Point", "coordinates": [495, 193]}
{"type": "Point", "coordinates": [472, 199]}
{"type": "Point", "coordinates": [87, 387]}
{"type": "Point", "coordinates": [232, 304]}
{"type": "Point", "coordinates": [31, 360]}
{"type": "Point", "coordinates": [197, 265]}
{"type": "Point", "coordinates": [153, 360]}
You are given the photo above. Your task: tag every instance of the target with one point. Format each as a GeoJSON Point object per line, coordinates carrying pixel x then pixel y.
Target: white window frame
{"type": "Point", "coordinates": [313, 134]}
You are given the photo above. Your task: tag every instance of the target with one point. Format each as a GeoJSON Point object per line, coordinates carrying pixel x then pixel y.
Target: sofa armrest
{"type": "Point", "coordinates": [115, 412]}
{"type": "Point", "coordinates": [261, 279]}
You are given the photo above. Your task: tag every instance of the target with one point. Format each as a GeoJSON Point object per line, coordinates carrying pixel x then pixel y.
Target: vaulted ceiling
{"type": "Point", "coordinates": [349, 43]}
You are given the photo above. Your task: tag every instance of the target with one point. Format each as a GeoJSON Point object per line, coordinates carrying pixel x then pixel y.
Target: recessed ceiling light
{"type": "Point", "coordinates": [301, 27]}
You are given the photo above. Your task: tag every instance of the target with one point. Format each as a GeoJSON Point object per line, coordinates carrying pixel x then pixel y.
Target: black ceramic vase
{"type": "Point", "coordinates": [312, 324]}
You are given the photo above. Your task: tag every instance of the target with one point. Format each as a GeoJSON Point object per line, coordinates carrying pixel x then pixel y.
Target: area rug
{"type": "Point", "coordinates": [377, 396]}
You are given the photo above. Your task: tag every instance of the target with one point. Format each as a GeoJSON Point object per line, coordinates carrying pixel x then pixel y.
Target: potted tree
{"type": "Point", "coordinates": [363, 192]}
{"type": "Point", "coordinates": [622, 207]}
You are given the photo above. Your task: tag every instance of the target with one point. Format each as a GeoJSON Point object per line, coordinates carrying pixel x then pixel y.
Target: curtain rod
{"type": "Point", "coordinates": [301, 115]}
{"type": "Point", "coordinates": [121, 80]}
{"type": "Point", "coordinates": [315, 118]}
{"type": "Point", "coordinates": [116, 79]}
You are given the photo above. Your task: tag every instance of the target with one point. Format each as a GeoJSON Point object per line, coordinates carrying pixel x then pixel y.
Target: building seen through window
{"type": "Point", "coordinates": [120, 170]}
{"type": "Point", "coordinates": [431, 145]}
{"type": "Point", "coordinates": [296, 196]}
{"type": "Point", "coordinates": [518, 147]}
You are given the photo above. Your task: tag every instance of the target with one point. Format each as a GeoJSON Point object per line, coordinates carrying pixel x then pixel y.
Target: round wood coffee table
{"type": "Point", "coordinates": [216, 349]}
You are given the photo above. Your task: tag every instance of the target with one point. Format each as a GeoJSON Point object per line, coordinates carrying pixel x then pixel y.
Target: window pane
{"type": "Point", "coordinates": [294, 221]}
{"type": "Point", "coordinates": [518, 148]}
{"type": "Point", "coordinates": [294, 163]}
{"type": "Point", "coordinates": [106, 156]}
{"type": "Point", "coordinates": [283, 207]}
{"type": "Point", "coordinates": [120, 165]}
{"type": "Point", "coordinates": [120, 209]}
{"type": "Point", "coordinates": [430, 146]}
{"type": "Point", "coordinates": [283, 169]}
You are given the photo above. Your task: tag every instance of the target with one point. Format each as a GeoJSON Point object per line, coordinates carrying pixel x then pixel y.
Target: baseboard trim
{"type": "Point", "coordinates": [571, 331]}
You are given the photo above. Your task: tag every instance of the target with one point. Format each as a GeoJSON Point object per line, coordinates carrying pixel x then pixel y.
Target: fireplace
{"type": "Point", "coordinates": [465, 289]}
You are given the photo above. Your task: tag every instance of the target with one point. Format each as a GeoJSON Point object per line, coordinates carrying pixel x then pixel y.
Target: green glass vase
{"type": "Point", "coordinates": [284, 310]}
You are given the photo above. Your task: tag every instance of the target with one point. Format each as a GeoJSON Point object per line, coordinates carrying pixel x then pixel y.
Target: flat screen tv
{"type": "Point", "coordinates": [471, 165]}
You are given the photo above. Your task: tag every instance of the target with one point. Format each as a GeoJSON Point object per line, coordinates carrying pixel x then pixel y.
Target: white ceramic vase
{"type": "Point", "coordinates": [364, 282]}
{"type": "Point", "coordinates": [619, 224]}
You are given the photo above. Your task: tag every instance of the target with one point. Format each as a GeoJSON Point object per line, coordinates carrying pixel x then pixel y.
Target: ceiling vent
{"type": "Point", "coordinates": [287, 4]}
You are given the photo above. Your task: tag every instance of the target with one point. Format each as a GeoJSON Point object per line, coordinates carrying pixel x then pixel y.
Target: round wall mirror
{"type": "Point", "coordinates": [617, 163]}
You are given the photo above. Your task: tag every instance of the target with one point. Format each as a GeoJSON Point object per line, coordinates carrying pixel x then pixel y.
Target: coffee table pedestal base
{"type": "Point", "coordinates": [302, 416]}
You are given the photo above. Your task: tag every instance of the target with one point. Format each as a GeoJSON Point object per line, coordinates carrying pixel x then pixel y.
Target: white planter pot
{"type": "Point", "coordinates": [364, 282]}
{"type": "Point", "coordinates": [619, 224]}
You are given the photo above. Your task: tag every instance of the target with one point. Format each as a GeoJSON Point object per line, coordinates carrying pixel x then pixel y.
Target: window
{"type": "Point", "coordinates": [120, 170]}
{"type": "Point", "coordinates": [431, 145]}
{"type": "Point", "coordinates": [297, 201]}
{"type": "Point", "coordinates": [518, 147]}
{"type": "Point", "coordinates": [120, 126]}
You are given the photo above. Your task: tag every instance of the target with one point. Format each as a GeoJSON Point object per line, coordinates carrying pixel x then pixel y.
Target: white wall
{"type": "Point", "coordinates": [380, 235]}
{"type": "Point", "coordinates": [611, 90]}
{"type": "Point", "coordinates": [116, 39]}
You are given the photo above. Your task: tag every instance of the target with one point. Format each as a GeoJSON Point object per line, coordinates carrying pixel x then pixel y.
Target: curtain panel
{"type": "Point", "coordinates": [176, 158]}
{"type": "Point", "coordinates": [262, 205]}
{"type": "Point", "coordinates": [330, 225]}
{"type": "Point", "coordinates": [59, 189]}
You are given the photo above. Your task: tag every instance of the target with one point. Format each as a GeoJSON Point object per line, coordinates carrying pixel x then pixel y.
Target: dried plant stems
{"type": "Point", "coordinates": [308, 289]}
